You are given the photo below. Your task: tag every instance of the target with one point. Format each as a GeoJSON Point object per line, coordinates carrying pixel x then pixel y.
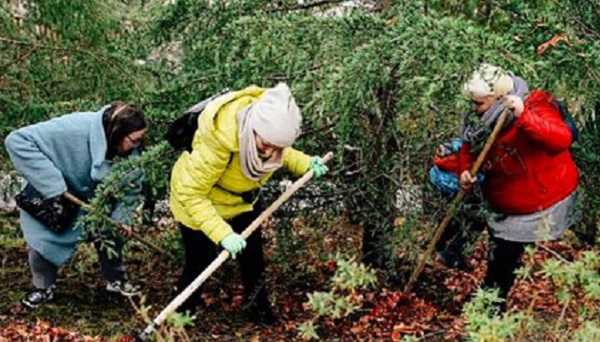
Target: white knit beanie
{"type": "Point", "coordinates": [276, 117]}
{"type": "Point", "coordinates": [488, 80]}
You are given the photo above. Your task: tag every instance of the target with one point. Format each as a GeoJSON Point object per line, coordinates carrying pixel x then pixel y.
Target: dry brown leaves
{"type": "Point", "coordinates": [42, 331]}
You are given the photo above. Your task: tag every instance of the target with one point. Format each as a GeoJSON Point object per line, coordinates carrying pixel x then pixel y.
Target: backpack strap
{"type": "Point", "coordinates": [568, 119]}
{"type": "Point", "coordinates": [181, 131]}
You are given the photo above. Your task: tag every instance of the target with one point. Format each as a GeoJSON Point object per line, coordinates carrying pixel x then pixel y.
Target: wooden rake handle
{"type": "Point", "coordinates": [457, 200]}
{"type": "Point", "coordinates": [133, 235]}
{"type": "Point", "coordinates": [175, 303]}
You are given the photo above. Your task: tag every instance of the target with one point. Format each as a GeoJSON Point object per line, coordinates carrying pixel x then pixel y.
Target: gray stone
{"type": "Point", "coordinates": [10, 185]}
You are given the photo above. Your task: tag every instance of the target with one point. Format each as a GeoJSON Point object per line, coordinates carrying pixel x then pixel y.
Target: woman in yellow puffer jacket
{"type": "Point", "coordinates": [242, 138]}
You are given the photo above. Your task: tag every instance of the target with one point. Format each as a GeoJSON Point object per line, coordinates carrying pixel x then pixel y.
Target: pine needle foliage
{"type": "Point", "coordinates": [378, 87]}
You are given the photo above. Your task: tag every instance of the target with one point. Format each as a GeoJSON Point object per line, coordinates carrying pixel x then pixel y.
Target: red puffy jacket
{"type": "Point", "coordinates": [529, 167]}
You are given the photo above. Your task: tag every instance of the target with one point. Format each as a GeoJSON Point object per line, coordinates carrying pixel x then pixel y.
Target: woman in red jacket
{"type": "Point", "coordinates": [530, 177]}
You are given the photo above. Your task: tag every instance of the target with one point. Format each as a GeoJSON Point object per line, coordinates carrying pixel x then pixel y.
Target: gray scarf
{"type": "Point", "coordinates": [476, 129]}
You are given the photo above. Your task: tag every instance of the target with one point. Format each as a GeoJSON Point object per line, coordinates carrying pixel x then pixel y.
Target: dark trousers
{"type": "Point", "coordinates": [504, 259]}
{"type": "Point", "coordinates": [464, 227]}
{"type": "Point", "coordinates": [44, 272]}
{"type": "Point", "coordinates": [200, 251]}
{"type": "Point", "coordinates": [459, 232]}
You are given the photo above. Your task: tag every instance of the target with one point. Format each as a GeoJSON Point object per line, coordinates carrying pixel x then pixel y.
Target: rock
{"type": "Point", "coordinates": [409, 200]}
{"type": "Point", "coordinates": [314, 196]}
{"type": "Point", "coordinates": [10, 185]}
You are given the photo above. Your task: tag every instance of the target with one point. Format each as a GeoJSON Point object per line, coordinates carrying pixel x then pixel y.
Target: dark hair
{"type": "Point", "coordinates": [120, 120]}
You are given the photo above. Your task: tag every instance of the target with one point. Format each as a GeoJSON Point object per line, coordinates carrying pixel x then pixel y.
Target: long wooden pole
{"type": "Point", "coordinates": [133, 234]}
{"type": "Point", "coordinates": [456, 201]}
{"type": "Point", "coordinates": [175, 303]}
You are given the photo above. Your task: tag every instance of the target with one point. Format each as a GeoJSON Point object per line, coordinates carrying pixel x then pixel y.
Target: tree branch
{"type": "Point", "coordinates": [553, 252]}
{"type": "Point", "coordinates": [101, 59]}
{"type": "Point", "coordinates": [19, 59]}
{"type": "Point", "coordinates": [305, 6]}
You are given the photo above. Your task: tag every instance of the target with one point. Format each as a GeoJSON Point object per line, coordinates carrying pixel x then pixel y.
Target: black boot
{"type": "Point", "coordinates": [259, 309]}
{"type": "Point", "coordinates": [189, 307]}
{"type": "Point", "coordinates": [452, 258]}
{"type": "Point", "coordinates": [192, 303]}
{"type": "Point", "coordinates": [263, 315]}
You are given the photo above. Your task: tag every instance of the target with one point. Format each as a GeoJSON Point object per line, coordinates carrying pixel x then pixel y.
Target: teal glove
{"type": "Point", "coordinates": [233, 243]}
{"type": "Point", "coordinates": [318, 166]}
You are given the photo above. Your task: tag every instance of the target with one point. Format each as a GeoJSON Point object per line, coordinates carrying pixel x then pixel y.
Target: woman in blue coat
{"type": "Point", "coordinates": [73, 153]}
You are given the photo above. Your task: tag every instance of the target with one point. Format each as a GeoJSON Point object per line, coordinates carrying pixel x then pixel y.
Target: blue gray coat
{"type": "Point", "coordinates": [65, 153]}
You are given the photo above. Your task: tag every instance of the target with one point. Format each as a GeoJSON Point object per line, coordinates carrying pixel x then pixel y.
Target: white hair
{"type": "Point", "coordinates": [488, 80]}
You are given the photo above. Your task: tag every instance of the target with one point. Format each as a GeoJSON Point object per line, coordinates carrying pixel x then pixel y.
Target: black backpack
{"type": "Point", "coordinates": [180, 133]}
{"type": "Point", "coordinates": [568, 119]}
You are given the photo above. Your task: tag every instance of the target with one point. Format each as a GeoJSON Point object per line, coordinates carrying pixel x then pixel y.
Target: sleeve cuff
{"type": "Point", "coordinates": [219, 233]}
{"type": "Point", "coordinates": [521, 121]}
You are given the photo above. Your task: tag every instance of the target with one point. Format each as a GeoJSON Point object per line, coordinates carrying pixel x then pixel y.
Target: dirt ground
{"type": "Point", "coordinates": [84, 311]}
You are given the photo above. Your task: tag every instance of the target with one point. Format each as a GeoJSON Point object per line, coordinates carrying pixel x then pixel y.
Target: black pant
{"type": "Point", "coordinates": [464, 227]}
{"type": "Point", "coordinates": [200, 251]}
{"type": "Point", "coordinates": [504, 259]}
{"type": "Point", "coordinates": [459, 232]}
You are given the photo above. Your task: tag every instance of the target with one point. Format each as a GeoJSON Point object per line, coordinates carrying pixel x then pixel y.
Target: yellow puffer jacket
{"type": "Point", "coordinates": [204, 183]}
